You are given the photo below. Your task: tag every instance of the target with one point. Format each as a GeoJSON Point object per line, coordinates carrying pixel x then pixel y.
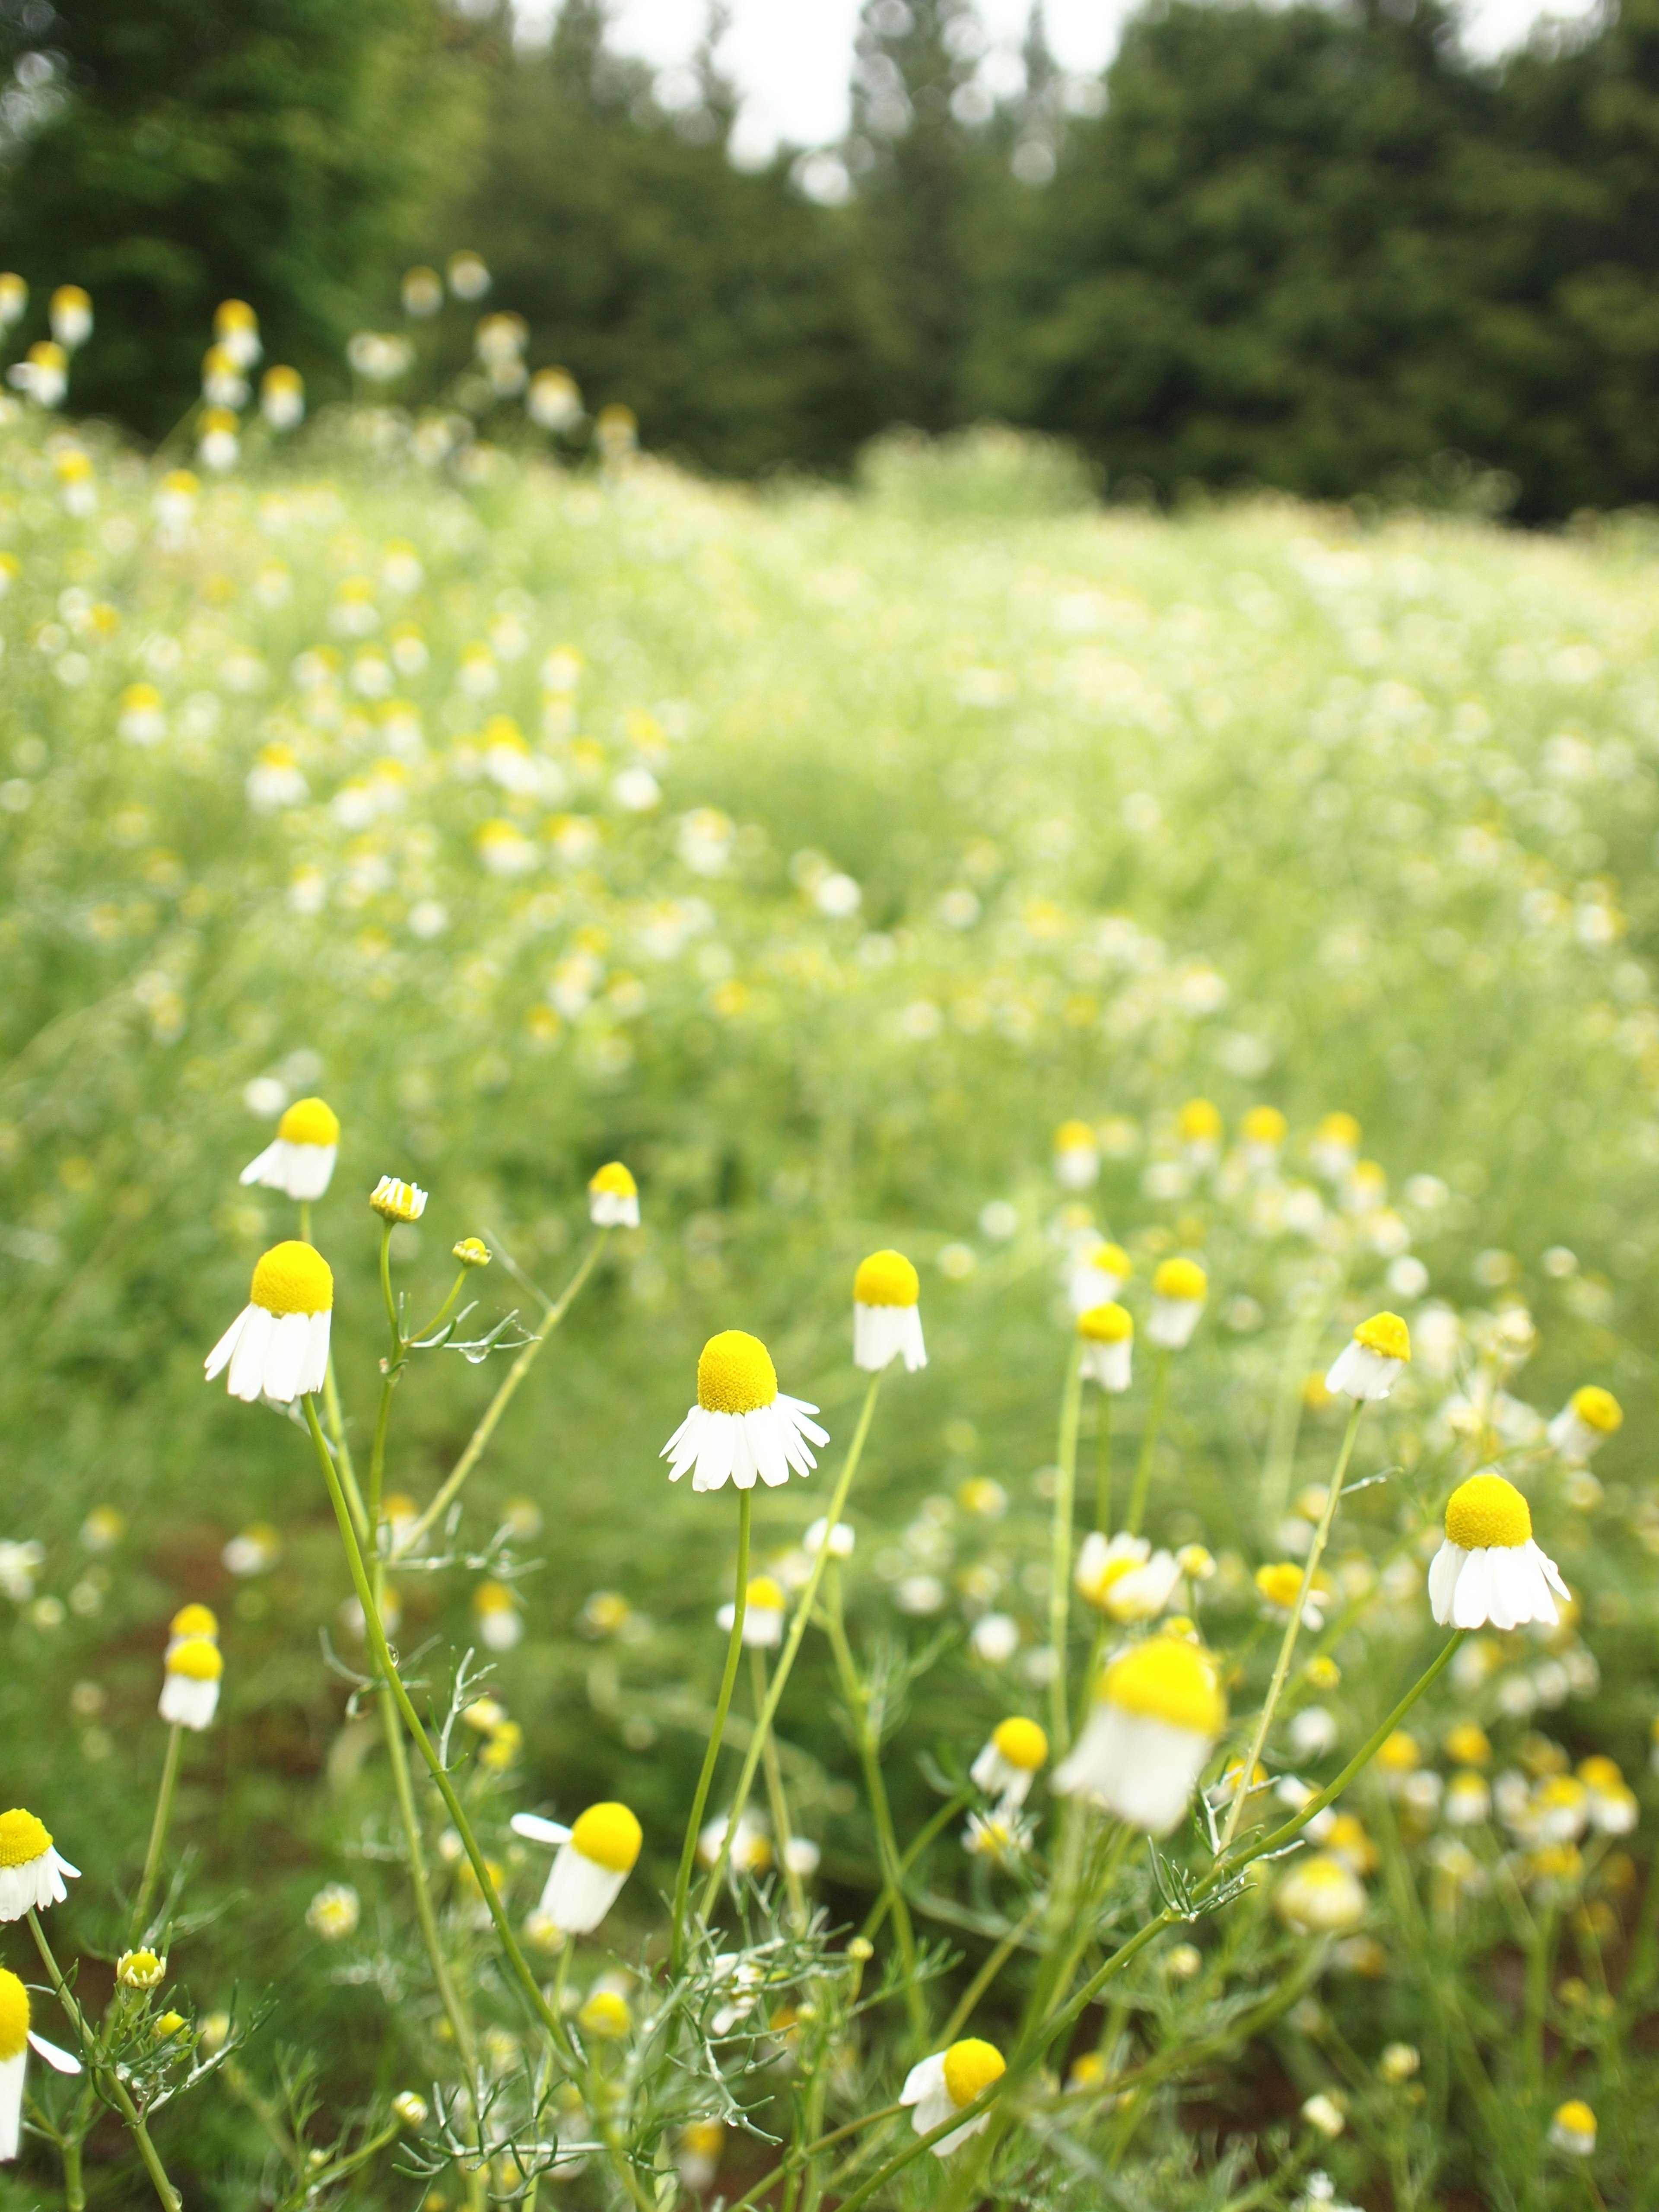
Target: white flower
{"type": "Point", "coordinates": [762, 1615]}
{"type": "Point", "coordinates": [1125, 1578]}
{"type": "Point", "coordinates": [742, 1425]}
{"type": "Point", "coordinates": [994, 1637]}
{"type": "Point", "coordinates": [886, 1318]}
{"type": "Point", "coordinates": [31, 1872]}
{"type": "Point", "coordinates": [613, 1198]}
{"type": "Point", "coordinates": [1179, 1290]}
{"type": "Point", "coordinates": [1489, 1569]}
{"type": "Point", "coordinates": [302, 1159]}
{"type": "Point", "coordinates": [1583, 1424]}
{"type": "Point", "coordinates": [751, 1847]}
{"type": "Point", "coordinates": [1158, 1713]}
{"type": "Point", "coordinates": [1002, 1835]}
{"type": "Point", "coordinates": [1007, 1763]}
{"type": "Point", "coordinates": [1077, 1155]}
{"type": "Point", "coordinates": [1321, 1895]}
{"type": "Point", "coordinates": [397, 1201]}
{"type": "Point", "coordinates": [1573, 2129]}
{"type": "Point", "coordinates": [947, 2082]}
{"type": "Point", "coordinates": [17, 2037]}
{"type": "Point", "coordinates": [1467, 1799]}
{"type": "Point", "coordinates": [841, 1539]}
{"type": "Point", "coordinates": [277, 1346]}
{"type": "Point", "coordinates": [595, 1858]}
{"type": "Point", "coordinates": [1373, 1360]}
{"type": "Point", "coordinates": [334, 1913]}
{"type": "Point", "coordinates": [497, 1612]}
{"type": "Point", "coordinates": [190, 1685]}
{"type": "Point", "coordinates": [1096, 1277]}
{"type": "Point", "coordinates": [1108, 1336]}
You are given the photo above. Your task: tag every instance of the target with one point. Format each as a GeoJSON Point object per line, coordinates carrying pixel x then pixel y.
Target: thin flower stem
{"type": "Point", "coordinates": [812, 2150]}
{"type": "Point", "coordinates": [776, 1799]}
{"type": "Point", "coordinates": [1103, 1463]}
{"type": "Point", "coordinates": [159, 1826]}
{"type": "Point", "coordinates": [763, 1721]}
{"type": "Point", "coordinates": [388, 1666]}
{"type": "Point", "coordinates": [723, 1706]}
{"type": "Point", "coordinates": [1294, 1625]}
{"type": "Point", "coordinates": [1149, 1439]}
{"type": "Point", "coordinates": [385, 1281]}
{"type": "Point", "coordinates": [498, 1405]}
{"type": "Point", "coordinates": [427, 1327]}
{"type": "Point", "coordinates": [946, 1813]}
{"type": "Point", "coordinates": [377, 1457]}
{"type": "Point", "coordinates": [988, 1973]}
{"type": "Point", "coordinates": [1059, 1570]}
{"type": "Point", "coordinates": [110, 2082]}
{"type": "Point", "coordinates": [331, 1405]}
{"type": "Point", "coordinates": [403, 1789]}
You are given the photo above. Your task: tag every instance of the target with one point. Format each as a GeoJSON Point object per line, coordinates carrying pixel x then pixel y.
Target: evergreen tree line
{"type": "Point", "coordinates": [1312, 246]}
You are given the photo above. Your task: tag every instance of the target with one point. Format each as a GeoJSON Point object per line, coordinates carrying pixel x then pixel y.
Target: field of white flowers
{"type": "Point", "coordinates": [819, 856]}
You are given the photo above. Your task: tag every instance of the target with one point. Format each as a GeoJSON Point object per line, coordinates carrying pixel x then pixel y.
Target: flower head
{"type": "Point", "coordinates": [1096, 1277]}
{"type": "Point", "coordinates": [334, 1913]}
{"type": "Point", "coordinates": [886, 1321]}
{"type": "Point", "coordinates": [17, 2038]}
{"type": "Point", "coordinates": [1125, 1578]}
{"type": "Point", "coordinates": [1489, 1569]}
{"type": "Point", "coordinates": [70, 316]}
{"type": "Point", "coordinates": [1077, 1155]}
{"type": "Point", "coordinates": [594, 1859]}
{"type": "Point", "coordinates": [1262, 1133]}
{"type": "Point", "coordinates": [1336, 1146]}
{"type": "Point", "coordinates": [1007, 1765]}
{"type": "Point", "coordinates": [282, 397]}
{"type": "Point", "coordinates": [1373, 1360]}
{"type": "Point", "coordinates": [472, 1252]}
{"type": "Point", "coordinates": [301, 1160]}
{"type": "Point", "coordinates": [31, 1871]}
{"type": "Point", "coordinates": [141, 1970]}
{"type": "Point", "coordinates": [1157, 1712]}
{"type": "Point", "coordinates": [1573, 2129]}
{"type": "Point", "coordinates": [397, 1201]}
{"type": "Point", "coordinates": [1320, 1895]}
{"type": "Point", "coordinates": [1583, 1424]}
{"type": "Point", "coordinates": [1107, 1334]}
{"type": "Point", "coordinates": [613, 1198]}
{"type": "Point", "coordinates": [1179, 1290]}
{"type": "Point", "coordinates": [277, 1346]}
{"type": "Point", "coordinates": [947, 2083]}
{"type": "Point", "coordinates": [1200, 1126]}
{"type": "Point", "coordinates": [742, 1425]}
{"type": "Point", "coordinates": [190, 1684]}
{"type": "Point", "coordinates": [605, 2014]}
{"type": "Point", "coordinates": [762, 1615]}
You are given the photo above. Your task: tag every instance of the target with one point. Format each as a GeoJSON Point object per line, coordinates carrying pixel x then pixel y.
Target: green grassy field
{"type": "Point", "coordinates": [816, 853]}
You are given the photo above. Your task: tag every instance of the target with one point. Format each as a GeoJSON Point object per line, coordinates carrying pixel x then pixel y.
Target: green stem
{"type": "Point", "coordinates": [988, 1973]}
{"type": "Point", "coordinates": [946, 1813]}
{"type": "Point", "coordinates": [498, 1405]}
{"type": "Point", "coordinates": [331, 1403]}
{"type": "Point", "coordinates": [922, 2144]}
{"type": "Point", "coordinates": [1294, 1625]}
{"type": "Point", "coordinates": [158, 1827]}
{"type": "Point", "coordinates": [388, 1666]}
{"type": "Point", "coordinates": [1149, 1439]}
{"type": "Point", "coordinates": [776, 1799]}
{"type": "Point", "coordinates": [762, 1735]}
{"type": "Point", "coordinates": [1103, 1464]}
{"type": "Point", "coordinates": [385, 1281]}
{"type": "Point", "coordinates": [75, 2194]}
{"type": "Point", "coordinates": [377, 1454]}
{"type": "Point", "coordinates": [402, 1789]}
{"type": "Point", "coordinates": [723, 1706]}
{"type": "Point", "coordinates": [812, 2150]}
{"type": "Point", "coordinates": [1539, 1954]}
{"type": "Point", "coordinates": [109, 2082]}
{"type": "Point", "coordinates": [1059, 1570]}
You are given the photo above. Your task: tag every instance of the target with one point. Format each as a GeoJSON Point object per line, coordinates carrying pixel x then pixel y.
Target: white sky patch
{"type": "Point", "coordinates": [790, 59]}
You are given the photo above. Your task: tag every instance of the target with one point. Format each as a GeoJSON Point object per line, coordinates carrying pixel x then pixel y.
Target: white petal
{"type": "Point", "coordinates": [766, 1433]}
{"type": "Point", "coordinates": [744, 1468]}
{"type": "Point", "coordinates": [258, 1171]}
{"type": "Point", "coordinates": [227, 1343]}
{"type": "Point", "coordinates": [538, 1830]}
{"type": "Point", "coordinates": [65, 2062]}
{"type": "Point", "coordinates": [314, 1373]}
{"type": "Point", "coordinates": [1443, 1579]}
{"type": "Point", "coordinates": [924, 2079]}
{"type": "Point", "coordinates": [715, 1445]}
{"type": "Point", "coordinates": [286, 1357]}
{"type": "Point", "coordinates": [1551, 1572]}
{"type": "Point", "coordinates": [246, 1378]}
{"type": "Point", "coordinates": [1472, 1600]}
{"type": "Point", "coordinates": [11, 2103]}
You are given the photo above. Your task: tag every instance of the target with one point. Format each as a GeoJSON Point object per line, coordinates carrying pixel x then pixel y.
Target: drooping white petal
{"type": "Point", "coordinates": [578, 1892]}
{"type": "Point", "coordinates": [11, 2103]}
{"type": "Point", "coordinates": [246, 1379]}
{"type": "Point", "coordinates": [221, 1352]}
{"type": "Point", "coordinates": [285, 1356]}
{"type": "Point", "coordinates": [64, 2061]}
{"type": "Point", "coordinates": [538, 1830]}
{"type": "Point", "coordinates": [1443, 1579]}
{"type": "Point", "coordinates": [260, 1169]}
{"type": "Point", "coordinates": [314, 1373]}
{"type": "Point", "coordinates": [1472, 1601]}
{"type": "Point", "coordinates": [924, 2079]}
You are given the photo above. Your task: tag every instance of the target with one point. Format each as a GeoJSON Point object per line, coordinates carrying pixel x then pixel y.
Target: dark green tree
{"type": "Point", "coordinates": [166, 155]}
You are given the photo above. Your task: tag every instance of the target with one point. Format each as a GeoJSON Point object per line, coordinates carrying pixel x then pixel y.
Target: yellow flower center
{"type": "Point", "coordinates": [1279, 1584]}
{"type": "Point", "coordinates": [1385, 1333]}
{"type": "Point", "coordinates": [1180, 1278]}
{"type": "Point", "coordinates": [1263, 1125]}
{"type": "Point", "coordinates": [1339, 1129]}
{"type": "Point", "coordinates": [703, 2136]}
{"type": "Point", "coordinates": [614, 1179]}
{"type": "Point", "coordinates": [605, 2014]}
{"type": "Point", "coordinates": [197, 1659]}
{"type": "Point", "coordinates": [1598, 1409]}
{"type": "Point", "coordinates": [970, 2067]}
{"type": "Point", "coordinates": [492, 1597]}
{"type": "Point", "coordinates": [1200, 1121]}
{"type": "Point", "coordinates": [1400, 1754]}
{"type": "Point", "coordinates": [1487, 1510]}
{"type": "Point", "coordinates": [292, 1278]}
{"type": "Point", "coordinates": [1576, 2118]}
{"type": "Point", "coordinates": [139, 1969]}
{"type": "Point", "coordinates": [735, 1374]}
{"type": "Point", "coordinates": [309, 1122]}
{"type": "Point", "coordinates": [886, 1279]}
{"type": "Point", "coordinates": [1324, 1870]}
{"type": "Point", "coordinates": [1561, 1794]}
{"type": "Point", "coordinates": [1021, 1742]}
{"type": "Point", "coordinates": [22, 1838]}
{"type": "Point", "coordinates": [1468, 1745]}
{"type": "Point", "coordinates": [1597, 1772]}
{"type": "Point", "coordinates": [765, 1596]}
{"type": "Point", "coordinates": [1073, 1136]}
{"type": "Point", "coordinates": [1166, 1680]}
{"type": "Point", "coordinates": [13, 2016]}
{"type": "Point", "coordinates": [610, 1835]}
{"type": "Point", "coordinates": [193, 1620]}
{"type": "Point", "coordinates": [1107, 1324]}
{"type": "Point", "coordinates": [1112, 1259]}
{"type": "Point", "coordinates": [141, 698]}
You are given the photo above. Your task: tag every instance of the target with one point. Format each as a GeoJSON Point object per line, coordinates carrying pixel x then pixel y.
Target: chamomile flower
{"type": "Point", "coordinates": [1373, 1360]}
{"type": "Point", "coordinates": [1336, 1146]}
{"type": "Point", "coordinates": [277, 1346]}
{"type": "Point", "coordinates": [886, 1319]}
{"type": "Point", "coordinates": [17, 2037]}
{"type": "Point", "coordinates": [1489, 1569]}
{"type": "Point", "coordinates": [1278, 1584]}
{"type": "Point", "coordinates": [946, 2083]}
{"type": "Point", "coordinates": [397, 1201]}
{"type": "Point", "coordinates": [190, 1621]}
{"type": "Point", "coordinates": [742, 1425]}
{"type": "Point", "coordinates": [762, 1615]}
{"type": "Point", "coordinates": [1077, 1155]}
{"type": "Point", "coordinates": [1124, 1578]}
{"type": "Point", "coordinates": [1003, 1836]}
{"type": "Point", "coordinates": [301, 1161]}
{"type": "Point", "coordinates": [1573, 2129]}
{"type": "Point", "coordinates": [501, 1623]}
{"type": "Point", "coordinates": [334, 1913]}
{"type": "Point", "coordinates": [1107, 1334]}
{"type": "Point", "coordinates": [613, 1198]}
{"type": "Point", "coordinates": [697, 2155]}
{"type": "Point", "coordinates": [31, 1872]}
{"type": "Point", "coordinates": [70, 316]}
{"type": "Point", "coordinates": [1008, 1764]}
{"type": "Point", "coordinates": [1467, 1799]}
{"type": "Point", "coordinates": [751, 1847]}
{"type": "Point", "coordinates": [594, 1859]}
{"type": "Point", "coordinates": [1583, 1424]}
{"type": "Point", "coordinates": [1321, 1895]}
{"type": "Point", "coordinates": [1261, 1133]}
{"type": "Point", "coordinates": [190, 1683]}
{"type": "Point", "coordinates": [1613, 1809]}
{"type": "Point", "coordinates": [1096, 1277]}
{"type": "Point", "coordinates": [282, 397]}
{"type": "Point", "coordinates": [1179, 1290]}
{"type": "Point", "coordinates": [1200, 1127]}
{"type": "Point", "coordinates": [1158, 1710]}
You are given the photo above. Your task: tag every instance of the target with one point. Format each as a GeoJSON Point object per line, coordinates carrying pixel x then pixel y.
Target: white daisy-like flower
{"type": "Point", "coordinates": [1158, 1711]}
{"type": "Point", "coordinates": [994, 1637]}
{"type": "Point", "coordinates": [1179, 1290]}
{"type": "Point", "coordinates": [1336, 1146]}
{"type": "Point", "coordinates": [1573, 2129]}
{"type": "Point", "coordinates": [1096, 1277]}
{"type": "Point", "coordinates": [948, 2081]}
{"type": "Point", "coordinates": [742, 1425]}
{"type": "Point", "coordinates": [762, 1615]}
{"type": "Point", "coordinates": [1108, 1336]}
{"type": "Point", "coordinates": [397, 1201]}
{"type": "Point", "coordinates": [190, 1685]}
{"type": "Point", "coordinates": [277, 1346]}
{"type": "Point", "coordinates": [1373, 1360]}
{"type": "Point", "coordinates": [191, 1620]}
{"type": "Point", "coordinates": [1321, 1895]}
{"type": "Point", "coordinates": [886, 1316]}
{"type": "Point", "coordinates": [613, 1198]}
{"type": "Point", "coordinates": [1002, 1835]}
{"type": "Point", "coordinates": [1261, 1135]}
{"type": "Point", "coordinates": [17, 2038]}
{"type": "Point", "coordinates": [1200, 1128]}
{"type": "Point", "coordinates": [501, 1623]}
{"type": "Point", "coordinates": [1467, 1799]}
{"type": "Point", "coordinates": [31, 1872]}
{"type": "Point", "coordinates": [1008, 1764]}
{"type": "Point", "coordinates": [1614, 1807]}
{"type": "Point", "coordinates": [1489, 1569]}
{"type": "Point", "coordinates": [841, 1539]}
{"type": "Point", "coordinates": [751, 1847]}
{"type": "Point", "coordinates": [1124, 1578]}
{"type": "Point", "coordinates": [1583, 1424]}
{"type": "Point", "coordinates": [594, 1859]}
{"type": "Point", "coordinates": [302, 1159]}
{"type": "Point", "coordinates": [1077, 1155]}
